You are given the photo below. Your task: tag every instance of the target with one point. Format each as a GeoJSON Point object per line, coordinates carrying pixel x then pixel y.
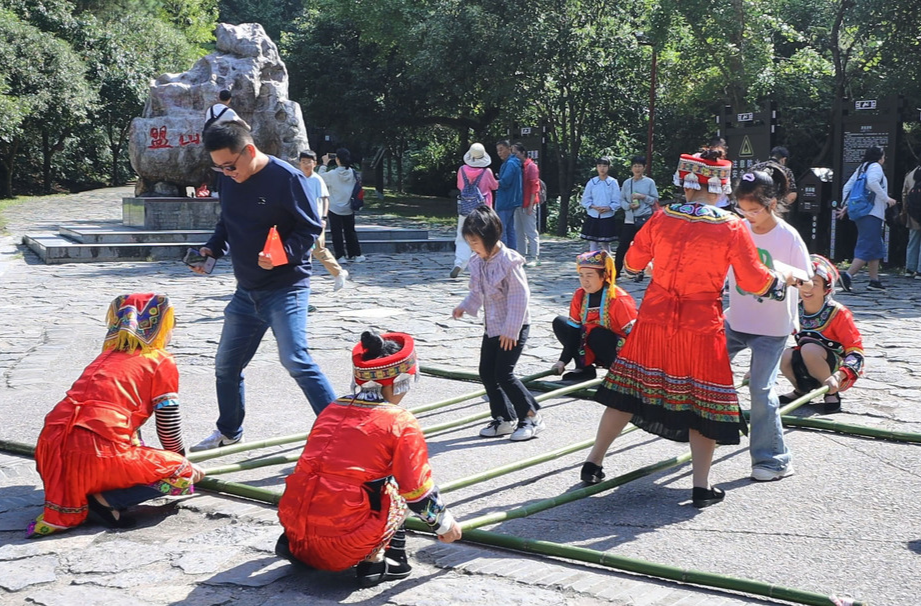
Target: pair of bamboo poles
{"type": "Point", "coordinates": [471, 527]}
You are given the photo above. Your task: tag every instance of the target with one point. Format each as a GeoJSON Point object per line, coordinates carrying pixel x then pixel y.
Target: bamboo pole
{"type": "Point", "coordinates": [241, 490]}
{"type": "Point", "coordinates": [253, 464]}
{"type": "Point", "coordinates": [17, 448]}
{"type": "Point", "coordinates": [551, 549]}
{"type": "Point", "coordinates": [463, 398]}
{"type": "Point", "coordinates": [472, 377]}
{"type": "Point", "coordinates": [485, 415]}
{"type": "Point", "coordinates": [635, 565]}
{"type": "Point", "coordinates": [223, 451]}
{"type": "Point", "coordinates": [857, 430]}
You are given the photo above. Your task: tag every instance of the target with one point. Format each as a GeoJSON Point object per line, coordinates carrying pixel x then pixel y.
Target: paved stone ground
{"type": "Point", "coordinates": [846, 523]}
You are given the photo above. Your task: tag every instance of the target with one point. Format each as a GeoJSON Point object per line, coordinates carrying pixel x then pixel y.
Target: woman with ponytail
{"type": "Point", "coordinates": [365, 462]}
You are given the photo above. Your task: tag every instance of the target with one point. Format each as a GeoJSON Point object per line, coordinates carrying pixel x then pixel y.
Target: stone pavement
{"type": "Point", "coordinates": [846, 523]}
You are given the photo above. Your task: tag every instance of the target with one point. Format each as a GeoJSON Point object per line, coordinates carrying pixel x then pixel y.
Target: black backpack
{"type": "Point", "coordinates": [213, 118]}
{"type": "Point", "coordinates": [913, 199]}
{"type": "Point", "coordinates": [357, 200]}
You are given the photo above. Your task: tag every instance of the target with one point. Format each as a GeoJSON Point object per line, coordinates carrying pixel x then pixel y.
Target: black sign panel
{"type": "Point", "coordinates": [859, 136]}
{"type": "Point", "coordinates": [750, 137]}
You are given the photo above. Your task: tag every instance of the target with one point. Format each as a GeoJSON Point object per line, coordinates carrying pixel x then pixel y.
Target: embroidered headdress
{"type": "Point", "coordinates": [826, 270]}
{"type": "Point", "coordinates": [397, 369]}
{"type": "Point", "coordinates": [598, 259]}
{"type": "Point", "coordinates": [694, 172]}
{"type": "Point", "coordinates": [138, 321]}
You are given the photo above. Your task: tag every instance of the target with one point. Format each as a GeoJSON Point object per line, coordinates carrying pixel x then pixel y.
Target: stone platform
{"type": "Point", "coordinates": [117, 242]}
{"type": "Point", "coordinates": [171, 213]}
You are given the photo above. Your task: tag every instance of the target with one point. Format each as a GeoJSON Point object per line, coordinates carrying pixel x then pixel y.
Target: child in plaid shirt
{"type": "Point", "coordinates": [499, 285]}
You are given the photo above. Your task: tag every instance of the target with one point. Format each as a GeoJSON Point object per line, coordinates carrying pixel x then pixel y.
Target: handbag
{"type": "Point", "coordinates": [638, 222]}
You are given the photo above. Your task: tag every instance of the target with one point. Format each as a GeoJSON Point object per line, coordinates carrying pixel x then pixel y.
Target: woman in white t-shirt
{"type": "Point", "coordinates": [763, 325]}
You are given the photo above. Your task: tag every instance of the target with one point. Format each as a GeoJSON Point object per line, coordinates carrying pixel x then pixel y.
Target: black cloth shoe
{"type": "Point", "coordinates": [397, 549]}
{"type": "Point", "coordinates": [832, 403]}
{"type": "Point", "coordinates": [790, 397]}
{"type": "Point", "coordinates": [591, 473]}
{"type": "Point", "coordinates": [374, 573]}
{"type": "Point", "coordinates": [846, 281]}
{"type": "Point", "coordinates": [703, 497]}
{"type": "Point", "coordinates": [581, 375]}
{"type": "Point", "coordinates": [105, 515]}
{"type": "Point", "coordinates": [876, 285]}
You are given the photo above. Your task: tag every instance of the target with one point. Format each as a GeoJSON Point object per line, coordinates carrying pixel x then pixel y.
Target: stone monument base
{"type": "Point", "coordinates": [171, 213]}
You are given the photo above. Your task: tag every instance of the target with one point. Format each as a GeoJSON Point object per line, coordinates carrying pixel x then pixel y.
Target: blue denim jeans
{"type": "Point", "coordinates": [508, 228]}
{"type": "Point", "coordinates": [913, 254]}
{"type": "Point", "coordinates": [766, 440]}
{"type": "Point", "coordinates": [246, 318]}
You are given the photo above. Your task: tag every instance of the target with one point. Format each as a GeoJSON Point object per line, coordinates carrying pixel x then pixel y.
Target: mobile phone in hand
{"type": "Point", "coordinates": [193, 258]}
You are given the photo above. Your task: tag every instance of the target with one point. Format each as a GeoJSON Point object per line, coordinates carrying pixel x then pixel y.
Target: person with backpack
{"type": "Point", "coordinates": [476, 184]}
{"type": "Point", "coordinates": [344, 202]}
{"type": "Point", "coordinates": [220, 112]}
{"type": "Point", "coordinates": [911, 218]}
{"type": "Point", "coordinates": [865, 200]}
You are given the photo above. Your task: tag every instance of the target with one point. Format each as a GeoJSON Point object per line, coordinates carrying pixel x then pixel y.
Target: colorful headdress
{"type": "Point", "coordinates": [694, 171]}
{"type": "Point", "coordinates": [598, 259]}
{"type": "Point", "coordinates": [138, 321]}
{"type": "Point", "coordinates": [826, 270]}
{"type": "Point", "coordinates": [397, 369]}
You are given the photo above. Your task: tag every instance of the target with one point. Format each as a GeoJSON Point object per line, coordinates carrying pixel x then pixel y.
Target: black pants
{"type": "Point", "coordinates": [623, 245]}
{"type": "Point", "coordinates": [601, 341]}
{"type": "Point", "coordinates": [508, 397]}
{"type": "Point", "coordinates": [339, 224]}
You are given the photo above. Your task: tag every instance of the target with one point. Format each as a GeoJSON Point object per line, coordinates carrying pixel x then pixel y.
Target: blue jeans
{"type": "Point", "coordinates": [508, 228]}
{"type": "Point", "coordinates": [246, 318]}
{"type": "Point", "coordinates": [766, 441]}
{"type": "Point", "coordinates": [913, 254]}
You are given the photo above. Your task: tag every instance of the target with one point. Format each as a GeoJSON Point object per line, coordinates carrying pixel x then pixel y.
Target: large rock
{"type": "Point", "coordinates": [165, 144]}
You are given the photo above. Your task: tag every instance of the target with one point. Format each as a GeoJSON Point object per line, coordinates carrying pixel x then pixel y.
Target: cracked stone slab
{"type": "Point", "coordinates": [205, 560]}
{"type": "Point", "coordinates": [20, 574]}
{"type": "Point", "coordinates": [474, 591]}
{"type": "Point", "coordinates": [115, 556]}
{"type": "Point", "coordinates": [29, 548]}
{"type": "Point", "coordinates": [131, 578]}
{"type": "Point", "coordinates": [254, 573]}
{"type": "Point", "coordinates": [83, 595]}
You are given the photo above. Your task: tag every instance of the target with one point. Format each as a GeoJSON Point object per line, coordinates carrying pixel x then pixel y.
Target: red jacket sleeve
{"type": "Point", "coordinates": [621, 311]}
{"type": "Point", "coordinates": [750, 273]}
{"type": "Point", "coordinates": [844, 330]}
{"type": "Point", "coordinates": [575, 306]}
{"type": "Point", "coordinates": [411, 467]}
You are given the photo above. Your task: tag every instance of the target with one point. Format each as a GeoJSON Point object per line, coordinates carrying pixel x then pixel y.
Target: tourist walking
{"type": "Point", "coordinates": [318, 194]}
{"type": "Point", "coordinates": [867, 208]}
{"type": "Point", "coordinates": [475, 182]}
{"type": "Point", "coordinates": [259, 193]}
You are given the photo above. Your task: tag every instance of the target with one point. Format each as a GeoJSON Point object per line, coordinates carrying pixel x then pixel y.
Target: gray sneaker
{"type": "Point", "coordinates": [497, 427]}
{"type": "Point", "coordinates": [527, 429]}
{"type": "Point", "coordinates": [215, 440]}
{"type": "Point", "coordinates": [762, 474]}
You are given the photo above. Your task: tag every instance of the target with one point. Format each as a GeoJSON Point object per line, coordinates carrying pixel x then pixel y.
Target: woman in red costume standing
{"type": "Point", "coordinates": [672, 377]}
{"type": "Point", "coordinates": [89, 453]}
{"type": "Point", "coordinates": [364, 463]}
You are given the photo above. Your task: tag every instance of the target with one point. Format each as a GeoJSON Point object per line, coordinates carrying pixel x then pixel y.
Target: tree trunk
{"type": "Point", "coordinates": [46, 162]}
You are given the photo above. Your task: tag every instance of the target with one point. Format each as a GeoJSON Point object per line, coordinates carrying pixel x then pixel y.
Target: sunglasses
{"type": "Point", "coordinates": [229, 168]}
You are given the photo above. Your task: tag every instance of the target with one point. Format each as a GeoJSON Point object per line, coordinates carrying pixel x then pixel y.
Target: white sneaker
{"type": "Point", "coordinates": [358, 259]}
{"type": "Point", "coordinates": [215, 440]}
{"type": "Point", "coordinates": [760, 474]}
{"type": "Point", "coordinates": [339, 284]}
{"type": "Point", "coordinates": [528, 429]}
{"type": "Point", "coordinates": [498, 427]}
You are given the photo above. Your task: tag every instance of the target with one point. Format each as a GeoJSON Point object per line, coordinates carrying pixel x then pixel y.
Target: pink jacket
{"type": "Point", "coordinates": [487, 184]}
{"type": "Point", "coordinates": [530, 182]}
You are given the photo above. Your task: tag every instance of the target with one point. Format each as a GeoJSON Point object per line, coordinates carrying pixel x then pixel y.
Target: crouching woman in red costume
{"type": "Point", "coordinates": [672, 377]}
{"type": "Point", "coordinates": [89, 453]}
{"type": "Point", "coordinates": [829, 348]}
{"type": "Point", "coordinates": [365, 461]}
{"type": "Point", "coordinates": [601, 315]}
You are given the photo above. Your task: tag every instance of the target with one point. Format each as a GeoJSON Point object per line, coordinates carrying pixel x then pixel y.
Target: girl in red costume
{"type": "Point", "coordinates": [601, 315]}
{"type": "Point", "coordinates": [829, 348]}
{"type": "Point", "coordinates": [364, 463]}
{"type": "Point", "coordinates": [672, 377]}
{"type": "Point", "coordinates": [89, 454]}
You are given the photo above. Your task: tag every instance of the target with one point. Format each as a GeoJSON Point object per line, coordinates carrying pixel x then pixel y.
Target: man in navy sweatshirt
{"type": "Point", "coordinates": [258, 192]}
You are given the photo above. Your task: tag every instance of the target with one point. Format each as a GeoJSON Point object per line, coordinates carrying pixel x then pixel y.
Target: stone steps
{"type": "Point", "coordinates": [116, 242]}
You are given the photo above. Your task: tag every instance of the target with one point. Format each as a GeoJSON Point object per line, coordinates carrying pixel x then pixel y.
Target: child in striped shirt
{"type": "Point", "coordinates": [499, 285]}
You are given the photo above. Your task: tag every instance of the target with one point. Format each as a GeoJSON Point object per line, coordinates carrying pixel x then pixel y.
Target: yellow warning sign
{"type": "Point", "coordinates": [746, 150]}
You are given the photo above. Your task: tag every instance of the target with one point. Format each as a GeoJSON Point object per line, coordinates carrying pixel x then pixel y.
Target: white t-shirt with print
{"type": "Point", "coordinates": [762, 316]}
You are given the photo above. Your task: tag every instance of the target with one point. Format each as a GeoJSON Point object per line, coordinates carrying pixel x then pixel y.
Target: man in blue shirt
{"type": "Point", "coordinates": [510, 195]}
{"type": "Point", "coordinates": [259, 192]}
